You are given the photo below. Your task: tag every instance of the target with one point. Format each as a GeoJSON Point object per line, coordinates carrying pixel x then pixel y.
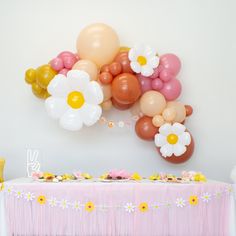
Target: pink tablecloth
{"type": "Point", "coordinates": [94, 209]}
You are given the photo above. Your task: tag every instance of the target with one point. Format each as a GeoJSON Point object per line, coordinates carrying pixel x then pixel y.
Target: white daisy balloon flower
{"type": "Point", "coordinates": [74, 100]}
{"type": "Point", "coordinates": [172, 139]}
{"type": "Point", "coordinates": [143, 59]}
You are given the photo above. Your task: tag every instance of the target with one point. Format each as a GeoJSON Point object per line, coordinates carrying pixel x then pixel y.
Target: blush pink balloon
{"type": "Point", "coordinates": [171, 62]}
{"type": "Point", "coordinates": [155, 73]}
{"type": "Point", "coordinates": [63, 71]}
{"type": "Point", "coordinates": [146, 83]}
{"type": "Point", "coordinates": [166, 75]}
{"type": "Point", "coordinates": [69, 61]}
{"type": "Point", "coordinates": [57, 64]}
{"type": "Point", "coordinates": [157, 84]}
{"type": "Point", "coordinates": [66, 54]}
{"type": "Point", "coordinates": [171, 89]}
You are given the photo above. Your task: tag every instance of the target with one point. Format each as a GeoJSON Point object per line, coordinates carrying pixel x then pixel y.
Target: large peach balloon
{"type": "Point", "coordinates": [180, 111]}
{"type": "Point", "coordinates": [98, 43]}
{"type": "Point", "coordinates": [126, 88]}
{"type": "Point", "coordinates": [87, 66]}
{"type": "Point", "coordinates": [152, 103]}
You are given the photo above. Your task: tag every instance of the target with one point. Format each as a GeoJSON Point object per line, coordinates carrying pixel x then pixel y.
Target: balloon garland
{"type": "Point", "coordinates": [78, 87]}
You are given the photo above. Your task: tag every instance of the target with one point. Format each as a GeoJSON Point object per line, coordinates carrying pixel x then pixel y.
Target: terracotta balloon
{"type": "Point", "coordinates": [105, 77]}
{"type": "Point", "coordinates": [87, 66]}
{"type": "Point", "coordinates": [115, 68]}
{"type": "Point", "coordinates": [121, 106]}
{"type": "Point", "coordinates": [152, 103]}
{"type": "Point", "coordinates": [126, 88]}
{"type": "Point", "coordinates": [184, 157]}
{"type": "Point", "coordinates": [189, 110]}
{"type": "Point", "coordinates": [145, 129]}
{"type": "Point", "coordinates": [98, 43]}
{"type": "Point", "coordinates": [180, 111]}
{"type": "Point", "coordinates": [123, 59]}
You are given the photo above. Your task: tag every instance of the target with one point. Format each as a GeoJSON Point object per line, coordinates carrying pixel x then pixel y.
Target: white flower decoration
{"type": "Point", "coordinates": [75, 100]}
{"type": "Point", "coordinates": [206, 197]}
{"type": "Point", "coordinates": [29, 196]}
{"type": "Point", "coordinates": [77, 206]}
{"type": "Point", "coordinates": [9, 190]}
{"type": "Point", "coordinates": [64, 204]}
{"type": "Point", "coordinates": [180, 202]}
{"type": "Point", "coordinates": [19, 194]}
{"type": "Point", "coordinates": [129, 207]}
{"type": "Point", "coordinates": [52, 202]}
{"type": "Point", "coordinates": [143, 60]}
{"type": "Point", "coordinates": [172, 139]}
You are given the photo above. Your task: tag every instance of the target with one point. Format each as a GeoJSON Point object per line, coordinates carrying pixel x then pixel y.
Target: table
{"type": "Point", "coordinates": [124, 208]}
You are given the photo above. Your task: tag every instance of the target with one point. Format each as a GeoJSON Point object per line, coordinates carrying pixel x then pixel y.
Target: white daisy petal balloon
{"type": "Point", "coordinates": [143, 60]}
{"type": "Point", "coordinates": [75, 100]}
{"type": "Point", "coordinates": [172, 139]}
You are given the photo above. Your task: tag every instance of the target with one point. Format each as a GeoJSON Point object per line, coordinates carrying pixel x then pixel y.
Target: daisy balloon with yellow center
{"type": "Point", "coordinates": [75, 100]}
{"type": "Point", "coordinates": [143, 60]}
{"type": "Point", "coordinates": [172, 139]}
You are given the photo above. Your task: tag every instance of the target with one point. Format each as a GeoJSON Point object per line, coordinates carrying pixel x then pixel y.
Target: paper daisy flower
{"type": "Point", "coordinates": [41, 200]}
{"type": "Point", "coordinates": [143, 60]}
{"type": "Point", "coordinates": [52, 202]}
{"type": "Point", "coordinates": [89, 206]}
{"type": "Point", "coordinates": [180, 202]}
{"type": "Point", "coordinates": [19, 194]}
{"type": "Point", "coordinates": [29, 196]}
{"type": "Point", "coordinates": [64, 204]}
{"type": "Point", "coordinates": [77, 206]}
{"type": "Point", "coordinates": [193, 200]}
{"type": "Point", "coordinates": [9, 190]}
{"type": "Point", "coordinates": [129, 207]}
{"type": "Point", "coordinates": [172, 139]}
{"type": "Point", "coordinates": [206, 197]}
{"type": "Point", "coordinates": [143, 207]}
{"type": "Point", "coordinates": [75, 100]}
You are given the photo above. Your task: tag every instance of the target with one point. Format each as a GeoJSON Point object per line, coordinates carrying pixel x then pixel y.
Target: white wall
{"type": "Point", "coordinates": [201, 32]}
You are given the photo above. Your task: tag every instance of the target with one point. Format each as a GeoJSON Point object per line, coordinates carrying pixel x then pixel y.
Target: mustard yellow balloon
{"type": "Point", "coordinates": [98, 43]}
{"type": "Point", "coordinates": [87, 66]}
{"type": "Point", "coordinates": [30, 76]}
{"type": "Point", "coordinates": [152, 103]}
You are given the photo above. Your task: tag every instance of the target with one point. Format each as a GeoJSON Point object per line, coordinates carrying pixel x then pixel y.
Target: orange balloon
{"type": "Point", "coordinates": [87, 66]}
{"type": "Point", "coordinates": [152, 103]}
{"type": "Point", "coordinates": [98, 43]}
{"type": "Point", "coordinates": [121, 106]}
{"type": "Point", "coordinates": [123, 59]}
{"type": "Point", "coordinates": [189, 110]}
{"type": "Point", "coordinates": [126, 88]}
{"type": "Point", "coordinates": [145, 129]}
{"type": "Point", "coordinates": [105, 77]}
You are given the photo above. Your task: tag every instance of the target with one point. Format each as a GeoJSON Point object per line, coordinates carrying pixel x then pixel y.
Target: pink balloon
{"type": "Point", "coordinates": [166, 75]}
{"type": "Point", "coordinates": [57, 64]}
{"type": "Point", "coordinates": [155, 73]}
{"type": "Point", "coordinates": [63, 71]}
{"type": "Point", "coordinates": [146, 83]}
{"type": "Point", "coordinates": [157, 84]}
{"type": "Point", "coordinates": [171, 62]}
{"type": "Point", "coordinates": [171, 89]}
{"type": "Point", "coordinates": [69, 61]}
{"type": "Point", "coordinates": [66, 54]}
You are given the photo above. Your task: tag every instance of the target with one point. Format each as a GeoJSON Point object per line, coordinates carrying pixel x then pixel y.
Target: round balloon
{"type": "Point", "coordinates": [152, 103]}
{"type": "Point", "coordinates": [145, 129]}
{"type": "Point", "coordinates": [87, 66]}
{"type": "Point", "coordinates": [44, 74]}
{"type": "Point", "coordinates": [123, 59]}
{"type": "Point", "coordinates": [184, 157]}
{"type": "Point", "coordinates": [126, 88]}
{"type": "Point", "coordinates": [180, 111]}
{"type": "Point", "coordinates": [171, 89]}
{"type": "Point", "coordinates": [171, 62]}
{"type": "Point", "coordinates": [120, 106]}
{"type": "Point", "coordinates": [98, 43]}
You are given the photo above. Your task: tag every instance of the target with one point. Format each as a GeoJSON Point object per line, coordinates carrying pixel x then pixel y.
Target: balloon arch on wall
{"type": "Point", "coordinates": [78, 87]}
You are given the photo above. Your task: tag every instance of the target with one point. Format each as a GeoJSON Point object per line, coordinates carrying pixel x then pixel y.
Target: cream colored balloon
{"type": "Point", "coordinates": [106, 89]}
{"type": "Point", "coordinates": [135, 109]}
{"type": "Point", "coordinates": [169, 114]}
{"type": "Point", "coordinates": [158, 121]}
{"type": "Point", "coordinates": [98, 43]}
{"type": "Point", "coordinates": [180, 110]}
{"type": "Point", "coordinates": [107, 105]}
{"type": "Point", "coordinates": [87, 66]}
{"type": "Point", "coordinates": [152, 103]}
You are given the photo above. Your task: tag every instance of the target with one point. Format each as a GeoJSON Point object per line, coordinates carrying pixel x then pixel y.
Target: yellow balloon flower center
{"type": "Point", "coordinates": [142, 60]}
{"type": "Point", "coordinates": [75, 99]}
{"type": "Point", "coordinates": [172, 138]}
